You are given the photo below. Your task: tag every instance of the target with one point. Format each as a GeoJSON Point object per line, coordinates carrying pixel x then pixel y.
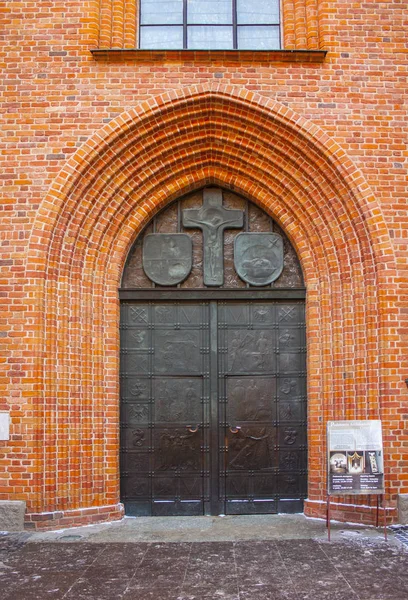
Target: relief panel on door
{"type": "Point", "coordinates": [164, 408]}
{"type": "Point", "coordinates": [213, 408]}
{"type": "Point", "coordinates": [262, 406]}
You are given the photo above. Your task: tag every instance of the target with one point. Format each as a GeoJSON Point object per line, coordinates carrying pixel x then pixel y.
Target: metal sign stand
{"type": "Point", "coordinates": [355, 463]}
{"type": "Point", "coordinates": [377, 517]}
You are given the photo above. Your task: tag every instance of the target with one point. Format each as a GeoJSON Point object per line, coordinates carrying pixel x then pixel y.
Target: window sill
{"type": "Point", "coordinates": [255, 56]}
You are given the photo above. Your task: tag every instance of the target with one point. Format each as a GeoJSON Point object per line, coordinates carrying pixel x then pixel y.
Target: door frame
{"type": "Point", "coordinates": [205, 295]}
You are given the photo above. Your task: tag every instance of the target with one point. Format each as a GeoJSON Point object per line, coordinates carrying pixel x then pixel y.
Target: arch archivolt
{"type": "Point", "coordinates": [110, 189]}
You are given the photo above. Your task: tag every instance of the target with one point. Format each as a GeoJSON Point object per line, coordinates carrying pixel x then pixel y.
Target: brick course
{"type": "Point", "coordinates": [92, 148]}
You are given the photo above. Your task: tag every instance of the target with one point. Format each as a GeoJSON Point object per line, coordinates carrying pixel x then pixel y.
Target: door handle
{"type": "Point", "coordinates": [192, 429]}
{"type": "Point", "coordinates": [234, 430]}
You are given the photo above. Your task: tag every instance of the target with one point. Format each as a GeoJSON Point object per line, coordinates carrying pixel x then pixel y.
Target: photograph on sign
{"type": "Point", "coordinates": [355, 457]}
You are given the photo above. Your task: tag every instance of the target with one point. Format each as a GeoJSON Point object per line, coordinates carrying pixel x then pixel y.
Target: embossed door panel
{"type": "Point", "coordinates": [164, 408]}
{"type": "Point", "coordinates": [178, 352]}
{"type": "Point", "coordinates": [248, 399]}
{"type": "Point", "coordinates": [262, 406]}
{"type": "Point", "coordinates": [213, 407]}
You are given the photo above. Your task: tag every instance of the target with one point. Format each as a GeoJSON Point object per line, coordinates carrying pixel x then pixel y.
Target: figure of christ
{"type": "Point", "coordinates": [212, 218]}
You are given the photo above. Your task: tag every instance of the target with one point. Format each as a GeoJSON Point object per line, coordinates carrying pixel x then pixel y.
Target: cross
{"type": "Point", "coordinates": [212, 218]}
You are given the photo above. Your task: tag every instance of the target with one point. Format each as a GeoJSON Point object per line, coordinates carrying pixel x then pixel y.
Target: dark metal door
{"type": "Point", "coordinates": [164, 412]}
{"type": "Point", "coordinates": [213, 407]}
{"type": "Point", "coordinates": [262, 383]}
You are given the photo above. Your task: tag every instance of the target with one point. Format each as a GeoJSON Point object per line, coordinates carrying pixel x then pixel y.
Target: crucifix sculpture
{"type": "Point", "coordinates": [212, 218]}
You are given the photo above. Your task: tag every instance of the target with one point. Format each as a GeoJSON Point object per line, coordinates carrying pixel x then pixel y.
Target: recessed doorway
{"type": "Point", "coordinates": [213, 377]}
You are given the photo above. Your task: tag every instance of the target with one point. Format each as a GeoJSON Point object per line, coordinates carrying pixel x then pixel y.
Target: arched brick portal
{"type": "Point", "coordinates": [110, 188]}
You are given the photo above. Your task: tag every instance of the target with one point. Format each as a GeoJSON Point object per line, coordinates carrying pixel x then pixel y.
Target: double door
{"type": "Point", "coordinates": [213, 407]}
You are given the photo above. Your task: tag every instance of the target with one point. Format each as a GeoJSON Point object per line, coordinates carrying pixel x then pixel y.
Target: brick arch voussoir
{"type": "Point", "coordinates": [158, 135]}
{"type": "Point", "coordinates": [138, 212]}
{"type": "Point", "coordinates": [216, 98]}
{"type": "Point", "coordinates": [117, 202]}
{"type": "Point", "coordinates": [127, 168]}
{"type": "Point", "coordinates": [104, 208]}
{"type": "Point", "coordinates": [188, 100]}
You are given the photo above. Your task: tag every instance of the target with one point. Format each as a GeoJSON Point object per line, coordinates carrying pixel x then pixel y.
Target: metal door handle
{"type": "Point", "coordinates": [192, 429]}
{"type": "Point", "coordinates": [234, 430]}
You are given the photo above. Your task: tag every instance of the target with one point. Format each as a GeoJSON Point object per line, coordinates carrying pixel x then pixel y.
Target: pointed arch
{"type": "Point", "coordinates": [111, 187]}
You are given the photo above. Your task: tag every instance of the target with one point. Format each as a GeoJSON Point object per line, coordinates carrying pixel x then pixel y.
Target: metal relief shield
{"type": "Point", "coordinates": [167, 257]}
{"type": "Point", "coordinates": [258, 257]}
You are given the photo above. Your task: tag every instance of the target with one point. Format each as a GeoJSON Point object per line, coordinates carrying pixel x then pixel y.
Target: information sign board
{"type": "Point", "coordinates": [355, 457]}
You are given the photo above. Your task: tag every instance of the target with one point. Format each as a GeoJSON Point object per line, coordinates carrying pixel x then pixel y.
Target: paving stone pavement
{"type": "Point", "coordinates": [287, 569]}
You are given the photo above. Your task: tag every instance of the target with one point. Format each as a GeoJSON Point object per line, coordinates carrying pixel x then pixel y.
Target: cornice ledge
{"type": "Point", "coordinates": [254, 56]}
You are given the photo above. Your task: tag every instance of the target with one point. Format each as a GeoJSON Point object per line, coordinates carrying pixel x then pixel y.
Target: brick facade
{"type": "Point", "coordinates": [94, 145]}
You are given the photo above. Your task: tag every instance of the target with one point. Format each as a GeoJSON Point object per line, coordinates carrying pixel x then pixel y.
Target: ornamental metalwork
{"type": "Point", "coordinates": [258, 257]}
{"type": "Point", "coordinates": [212, 218]}
{"type": "Point", "coordinates": [167, 258]}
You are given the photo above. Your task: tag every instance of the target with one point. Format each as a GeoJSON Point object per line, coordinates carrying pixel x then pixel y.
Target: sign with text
{"type": "Point", "coordinates": [355, 457]}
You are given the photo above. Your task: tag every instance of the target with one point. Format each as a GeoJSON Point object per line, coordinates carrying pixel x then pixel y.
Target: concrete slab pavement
{"type": "Point", "coordinates": [275, 557]}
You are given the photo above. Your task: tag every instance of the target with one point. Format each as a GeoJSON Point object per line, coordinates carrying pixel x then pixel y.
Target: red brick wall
{"type": "Point", "coordinates": [91, 148]}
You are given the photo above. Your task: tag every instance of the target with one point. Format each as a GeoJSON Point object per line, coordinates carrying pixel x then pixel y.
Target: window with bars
{"type": "Point", "coordinates": [209, 24]}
